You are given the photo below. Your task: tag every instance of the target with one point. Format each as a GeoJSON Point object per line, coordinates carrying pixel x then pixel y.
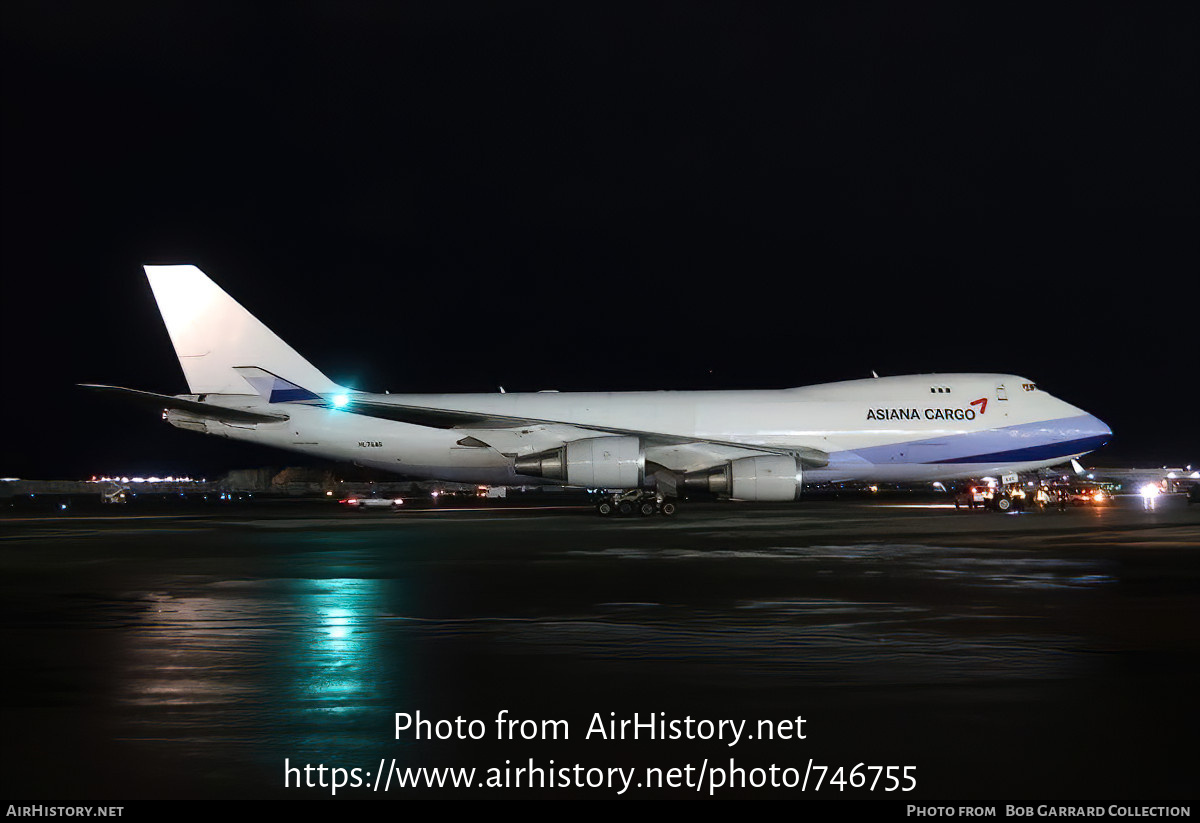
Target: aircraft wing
{"type": "Point", "coordinates": [483, 421]}
{"type": "Point", "coordinates": [436, 418]}
{"type": "Point", "coordinates": [210, 410]}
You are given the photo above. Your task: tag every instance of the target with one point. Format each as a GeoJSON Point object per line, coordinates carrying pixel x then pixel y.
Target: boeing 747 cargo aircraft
{"type": "Point", "coordinates": [245, 383]}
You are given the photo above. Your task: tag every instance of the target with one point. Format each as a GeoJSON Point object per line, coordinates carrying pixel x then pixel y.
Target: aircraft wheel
{"type": "Point", "coordinates": [604, 508]}
{"type": "Point", "coordinates": [668, 509]}
{"type": "Point", "coordinates": [646, 509]}
{"type": "Point", "coordinates": [624, 508]}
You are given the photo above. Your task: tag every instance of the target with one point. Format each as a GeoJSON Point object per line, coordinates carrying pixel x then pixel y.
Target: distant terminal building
{"type": "Point", "coordinates": [239, 484]}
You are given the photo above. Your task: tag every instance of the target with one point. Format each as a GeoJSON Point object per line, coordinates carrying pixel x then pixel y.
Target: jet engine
{"type": "Point", "coordinates": [765, 477]}
{"type": "Point", "coordinates": [594, 462]}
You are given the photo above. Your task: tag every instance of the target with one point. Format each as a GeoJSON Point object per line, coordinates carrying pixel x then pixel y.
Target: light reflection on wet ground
{"type": "Point", "coordinates": [192, 656]}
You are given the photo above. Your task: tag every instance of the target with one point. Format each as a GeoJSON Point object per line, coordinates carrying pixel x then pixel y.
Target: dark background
{"type": "Point", "coordinates": [455, 196]}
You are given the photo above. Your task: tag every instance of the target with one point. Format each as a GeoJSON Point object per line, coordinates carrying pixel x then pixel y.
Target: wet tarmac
{"type": "Point", "coordinates": [1045, 655]}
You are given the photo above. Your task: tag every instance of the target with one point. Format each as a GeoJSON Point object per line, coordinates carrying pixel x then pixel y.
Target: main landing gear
{"type": "Point", "coordinates": [636, 501]}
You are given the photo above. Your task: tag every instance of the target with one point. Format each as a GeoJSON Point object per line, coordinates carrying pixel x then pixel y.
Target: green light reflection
{"type": "Point", "coordinates": [339, 667]}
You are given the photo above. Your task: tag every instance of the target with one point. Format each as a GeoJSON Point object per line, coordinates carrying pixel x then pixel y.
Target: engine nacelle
{"type": "Point", "coordinates": [594, 462]}
{"type": "Point", "coordinates": [765, 477]}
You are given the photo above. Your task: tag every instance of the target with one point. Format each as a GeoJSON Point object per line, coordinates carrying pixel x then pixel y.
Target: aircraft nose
{"type": "Point", "coordinates": [1091, 428]}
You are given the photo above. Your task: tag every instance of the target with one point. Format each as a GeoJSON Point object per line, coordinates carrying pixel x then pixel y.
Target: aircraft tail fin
{"type": "Point", "coordinates": [214, 335]}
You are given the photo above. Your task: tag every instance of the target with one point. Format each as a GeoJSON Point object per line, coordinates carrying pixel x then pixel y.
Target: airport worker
{"type": "Point", "coordinates": [1042, 498]}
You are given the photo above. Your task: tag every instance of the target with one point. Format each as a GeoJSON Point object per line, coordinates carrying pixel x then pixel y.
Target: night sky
{"type": "Point", "coordinates": [453, 196]}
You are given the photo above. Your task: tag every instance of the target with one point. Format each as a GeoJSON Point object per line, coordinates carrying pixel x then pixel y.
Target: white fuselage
{"type": "Point", "coordinates": [890, 429]}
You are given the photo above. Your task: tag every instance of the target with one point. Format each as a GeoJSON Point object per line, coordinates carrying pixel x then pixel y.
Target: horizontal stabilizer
{"type": "Point", "coordinates": [209, 410]}
{"type": "Point", "coordinates": [273, 388]}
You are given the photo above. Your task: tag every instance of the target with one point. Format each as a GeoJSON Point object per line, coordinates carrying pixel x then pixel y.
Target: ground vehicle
{"type": "Point", "coordinates": [972, 496]}
{"type": "Point", "coordinates": [1004, 500]}
{"type": "Point", "coordinates": [984, 496]}
{"type": "Point", "coordinates": [363, 503]}
{"type": "Point", "coordinates": [1088, 496]}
